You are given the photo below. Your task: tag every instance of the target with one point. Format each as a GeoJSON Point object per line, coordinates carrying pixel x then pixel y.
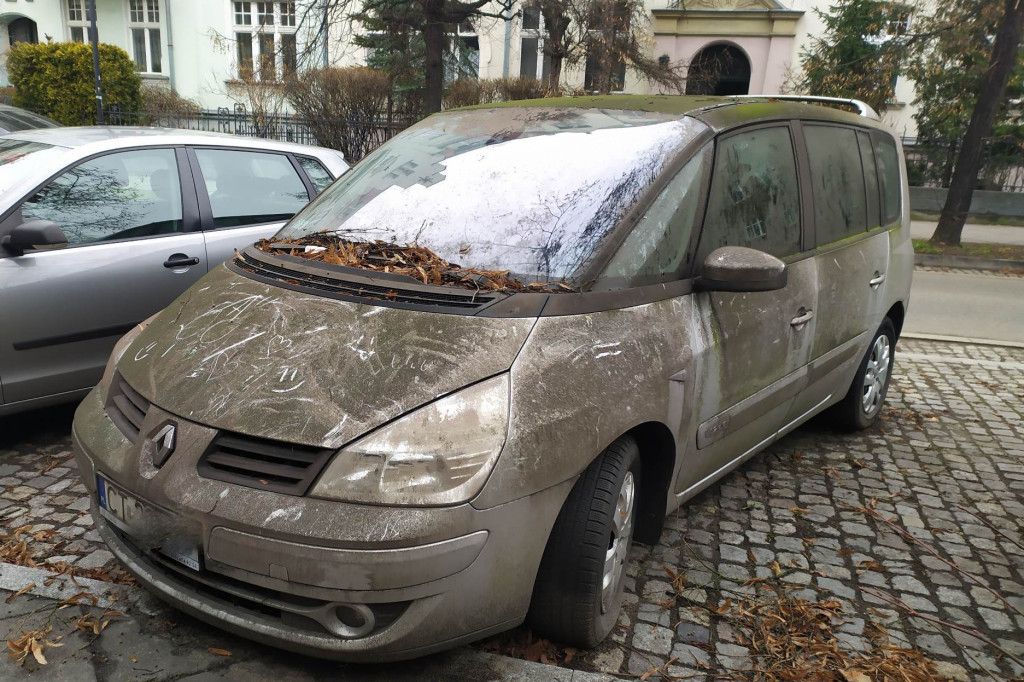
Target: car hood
{"type": "Point", "coordinates": [248, 357]}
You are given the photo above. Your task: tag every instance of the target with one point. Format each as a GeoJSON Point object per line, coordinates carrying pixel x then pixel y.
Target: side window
{"type": "Point", "coordinates": [660, 241]}
{"type": "Point", "coordinates": [837, 179]}
{"type": "Point", "coordinates": [867, 158]}
{"type": "Point", "coordinates": [892, 185]}
{"type": "Point", "coordinates": [755, 198]}
{"type": "Point", "coordinates": [318, 175]}
{"type": "Point", "coordinates": [124, 195]}
{"type": "Point", "coordinates": [249, 188]}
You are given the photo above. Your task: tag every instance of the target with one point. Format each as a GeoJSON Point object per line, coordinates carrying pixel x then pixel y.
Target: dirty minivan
{"type": "Point", "coordinates": [450, 392]}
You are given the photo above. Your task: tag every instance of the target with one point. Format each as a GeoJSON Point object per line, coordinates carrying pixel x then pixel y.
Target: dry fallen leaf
{"type": "Point", "coordinates": [20, 592]}
{"type": "Point", "coordinates": [851, 675]}
{"type": "Point", "coordinates": [219, 652]}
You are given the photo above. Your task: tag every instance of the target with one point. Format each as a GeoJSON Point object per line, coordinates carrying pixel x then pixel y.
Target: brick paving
{"type": "Point", "coordinates": [952, 435]}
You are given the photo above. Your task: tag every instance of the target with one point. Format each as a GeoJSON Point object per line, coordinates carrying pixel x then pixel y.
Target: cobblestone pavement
{"type": "Point", "coordinates": [946, 463]}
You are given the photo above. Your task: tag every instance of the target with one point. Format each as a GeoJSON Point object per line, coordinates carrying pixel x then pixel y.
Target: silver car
{"type": "Point", "coordinates": [102, 227]}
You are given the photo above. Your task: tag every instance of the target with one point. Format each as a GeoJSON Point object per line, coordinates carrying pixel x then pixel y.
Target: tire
{"type": "Point", "coordinates": [863, 403]}
{"type": "Point", "coordinates": [570, 604]}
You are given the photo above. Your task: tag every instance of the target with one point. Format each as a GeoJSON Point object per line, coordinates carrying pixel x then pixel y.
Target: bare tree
{"type": "Point", "coordinates": [609, 34]}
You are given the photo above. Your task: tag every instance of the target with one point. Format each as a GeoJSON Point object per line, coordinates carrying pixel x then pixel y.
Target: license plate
{"type": "Point", "coordinates": [137, 518]}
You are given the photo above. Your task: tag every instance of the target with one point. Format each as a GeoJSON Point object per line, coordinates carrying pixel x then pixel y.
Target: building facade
{"type": "Point", "coordinates": [201, 47]}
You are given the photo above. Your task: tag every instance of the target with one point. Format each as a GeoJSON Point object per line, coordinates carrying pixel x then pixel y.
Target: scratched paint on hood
{"type": "Point", "coordinates": [273, 363]}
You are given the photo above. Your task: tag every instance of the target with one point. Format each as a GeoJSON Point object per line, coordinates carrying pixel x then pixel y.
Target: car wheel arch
{"type": "Point", "coordinates": [897, 313]}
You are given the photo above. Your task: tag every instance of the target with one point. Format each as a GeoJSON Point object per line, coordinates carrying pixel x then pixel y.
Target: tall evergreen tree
{"type": "Point", "coordinates": [858, 54]}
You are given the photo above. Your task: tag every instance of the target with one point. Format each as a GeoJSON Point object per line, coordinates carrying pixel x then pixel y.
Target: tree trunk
{"type": "Point", "coordinates": [990, 97]}
{"type": "Point", "coordinates": [555, 74]}
{"type": "Point", "coordinates": [433, 37]}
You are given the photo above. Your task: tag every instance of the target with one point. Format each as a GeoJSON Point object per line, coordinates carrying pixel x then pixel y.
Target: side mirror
{"type": "Point", "coordinates": [35, 234]}
{"type": "Point", "coordinates": [737, 268]}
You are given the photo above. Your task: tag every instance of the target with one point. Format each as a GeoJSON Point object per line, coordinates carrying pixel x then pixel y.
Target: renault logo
{"type": "Point", "coordinates": [163, 440]}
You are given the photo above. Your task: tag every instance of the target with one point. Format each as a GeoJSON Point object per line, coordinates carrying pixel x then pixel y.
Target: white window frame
{"type": "Point", "coordinates": [148, 9]}
{"type": "Point", "coordinates": [251, 9]}
{"type": "Point", "coordinates": [82, 7]}
{"type": "Point", "coordinates": [539, 34]}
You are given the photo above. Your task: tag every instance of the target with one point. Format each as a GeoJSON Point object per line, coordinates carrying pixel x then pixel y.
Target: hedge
{"type": "Point", "coordinates": [56, 79]}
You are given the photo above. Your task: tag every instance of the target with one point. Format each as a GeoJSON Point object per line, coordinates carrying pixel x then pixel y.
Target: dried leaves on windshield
{"type": "Point", "coordinates": [414, 261]}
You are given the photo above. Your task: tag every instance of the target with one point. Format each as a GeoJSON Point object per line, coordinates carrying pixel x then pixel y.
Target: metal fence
{"type": "Point", "coordinates": [930, 163]}
{"type": "Point", "coordinates": [355, 138]}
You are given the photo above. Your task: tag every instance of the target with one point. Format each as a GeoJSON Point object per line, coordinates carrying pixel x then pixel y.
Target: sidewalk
{"type": "Point", "coordinates": [983, 234]}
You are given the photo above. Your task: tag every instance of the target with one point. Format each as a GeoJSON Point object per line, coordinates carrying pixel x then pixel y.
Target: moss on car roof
{"type": "Point", "coordinates": [662, 104]}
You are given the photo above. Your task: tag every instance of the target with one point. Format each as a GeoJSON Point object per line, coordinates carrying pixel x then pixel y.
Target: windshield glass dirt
{"type": "Point", "coordinates": [534, 192]}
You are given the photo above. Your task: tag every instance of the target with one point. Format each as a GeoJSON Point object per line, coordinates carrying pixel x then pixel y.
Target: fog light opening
{"type": "Point", "coordinates": [351, 620]}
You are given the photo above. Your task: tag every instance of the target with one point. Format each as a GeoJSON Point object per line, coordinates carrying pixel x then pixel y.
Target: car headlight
{"type": "Point", "coordinates": [120, 347]}
{"type": "Point", "coordinates": [439, 454]}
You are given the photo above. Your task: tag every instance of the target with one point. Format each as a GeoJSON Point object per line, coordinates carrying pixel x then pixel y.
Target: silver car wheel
{"type": "Point", "coordinates": [622, 534]}
{"type": "Point", "coordinates": [875, 375]}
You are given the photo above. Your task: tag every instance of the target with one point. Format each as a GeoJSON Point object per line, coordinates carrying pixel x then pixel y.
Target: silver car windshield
{"type": "Point", "coordinates": [18, 157]}
{"type": "Point", "coordinates": [534, 191]}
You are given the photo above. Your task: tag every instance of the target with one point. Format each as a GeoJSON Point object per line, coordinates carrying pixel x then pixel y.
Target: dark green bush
{"type": "Point", "coordinates": [56, 79]}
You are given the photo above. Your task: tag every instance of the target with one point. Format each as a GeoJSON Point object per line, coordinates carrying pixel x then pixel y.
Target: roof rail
{"type": "Point", "coordinates": [863, 108]}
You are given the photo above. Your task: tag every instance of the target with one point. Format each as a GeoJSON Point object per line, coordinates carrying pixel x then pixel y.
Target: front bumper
{"type": "Point", "coordinates": [301, 573]}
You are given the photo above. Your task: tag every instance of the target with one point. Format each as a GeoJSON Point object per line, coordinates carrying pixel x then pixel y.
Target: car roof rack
{"type": "Point", "coordinates": [863, 108]}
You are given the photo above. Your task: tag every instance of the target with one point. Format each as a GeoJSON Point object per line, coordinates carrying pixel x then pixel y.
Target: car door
{"type": "Point", "coordinates": [759, 343]}
{"type": "Point", "coordinates": [244, 196]}
{"type": "Point", "coordinates": [852, 255]}
{"type": "Point", "coordinates": [132, 248]}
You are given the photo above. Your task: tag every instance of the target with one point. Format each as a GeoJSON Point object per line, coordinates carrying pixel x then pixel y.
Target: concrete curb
{"type": "Point", "coordinates": [943, 261]}
{"type": "Point", "coordinates": [960, 339]}
{"type": "Point", "coordinates": [15, 578]}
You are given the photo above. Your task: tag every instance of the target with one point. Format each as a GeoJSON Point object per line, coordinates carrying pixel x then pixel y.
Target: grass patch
{"type": "Point", "coordinates": [975, 218]}
{"type": "Point", "coordinates": [971, 250]}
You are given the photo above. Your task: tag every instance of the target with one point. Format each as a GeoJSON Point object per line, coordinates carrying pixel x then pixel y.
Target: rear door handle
{"type": "Point", "coordinates": [803, 318]}
{"type": "Point", "coordinates": [180, 260]}
{"type": "Point", "coordinates": [876, 280]}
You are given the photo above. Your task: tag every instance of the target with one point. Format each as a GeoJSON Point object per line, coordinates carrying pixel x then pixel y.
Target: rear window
{"type": "Point", "coordinates": [889, 163]}
{"type": "Point", "coordinates": [250, 188]}
{"type": "Point", "coordinates": [318, 175]}
{"type": "Point", "coordinates": [837, 178]}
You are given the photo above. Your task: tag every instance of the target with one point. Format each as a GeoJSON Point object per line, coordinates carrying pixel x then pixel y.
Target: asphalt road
{"type": "Point", "coordinates": [967, 305]}
{"type": "Point", "coordinates": [991, 234]}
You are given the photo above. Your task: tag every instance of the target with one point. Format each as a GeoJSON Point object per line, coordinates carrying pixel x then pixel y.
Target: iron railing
{"type": "Point", "coordinates": [356, 138]}
{"type": "Point", "coordinates": [930, 163]}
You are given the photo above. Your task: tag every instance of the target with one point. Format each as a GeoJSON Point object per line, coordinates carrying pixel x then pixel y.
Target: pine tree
{"type": "Point", "coordinates": [858, 54]}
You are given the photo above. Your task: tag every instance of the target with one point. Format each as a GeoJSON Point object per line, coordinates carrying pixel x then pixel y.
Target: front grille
{"type": "Point", "coordinates": [470, 300]}
{"type": "Point", "coordinates": [263, 464]}
{"type": "Point", "coordinates": [126, 408]}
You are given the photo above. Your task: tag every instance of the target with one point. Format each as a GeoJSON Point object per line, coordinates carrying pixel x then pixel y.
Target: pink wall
{"type": "Point", "coordinates": [769, 56]}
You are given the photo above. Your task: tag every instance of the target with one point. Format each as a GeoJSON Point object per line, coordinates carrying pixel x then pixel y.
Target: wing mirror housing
{"type": "Point", "coordinates": [39, 235]}
{"type": "Point", "coordinates": [737, 268]}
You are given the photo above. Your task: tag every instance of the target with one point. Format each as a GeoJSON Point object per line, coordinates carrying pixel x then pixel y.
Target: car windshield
{"type": "Point", "coordinates": [534, 191]}
{"type": "Point", "coordinates": [19, 157]}
{"type": "Point", "coordinates": [16, 119]}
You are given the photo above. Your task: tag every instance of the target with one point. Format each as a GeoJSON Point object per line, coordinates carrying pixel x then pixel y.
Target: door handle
{"type": "Point", "coordinates": [180, 260]}
{"type": "Point", "coordinates": [803, 318]}
{"type": "Point", "coordinates": [876, 280]}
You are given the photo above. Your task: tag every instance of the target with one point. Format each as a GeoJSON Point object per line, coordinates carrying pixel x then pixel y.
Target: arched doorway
{"type": "Point", "coordinates": [719, 70]}
{"type": "Point", "coordinates": [22, 30]}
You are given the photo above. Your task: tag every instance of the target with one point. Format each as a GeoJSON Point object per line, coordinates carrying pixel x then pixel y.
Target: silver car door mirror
{"type": "Point", "coordinates": [35, 234]}
{"type": "Point", "coordinates": [738, 268]}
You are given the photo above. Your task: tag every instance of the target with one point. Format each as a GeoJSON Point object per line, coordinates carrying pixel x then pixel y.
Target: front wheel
{"type": "Point", "coordinates": [578, 592]}
{"type": "Point", "coordinates": [863, 403]}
